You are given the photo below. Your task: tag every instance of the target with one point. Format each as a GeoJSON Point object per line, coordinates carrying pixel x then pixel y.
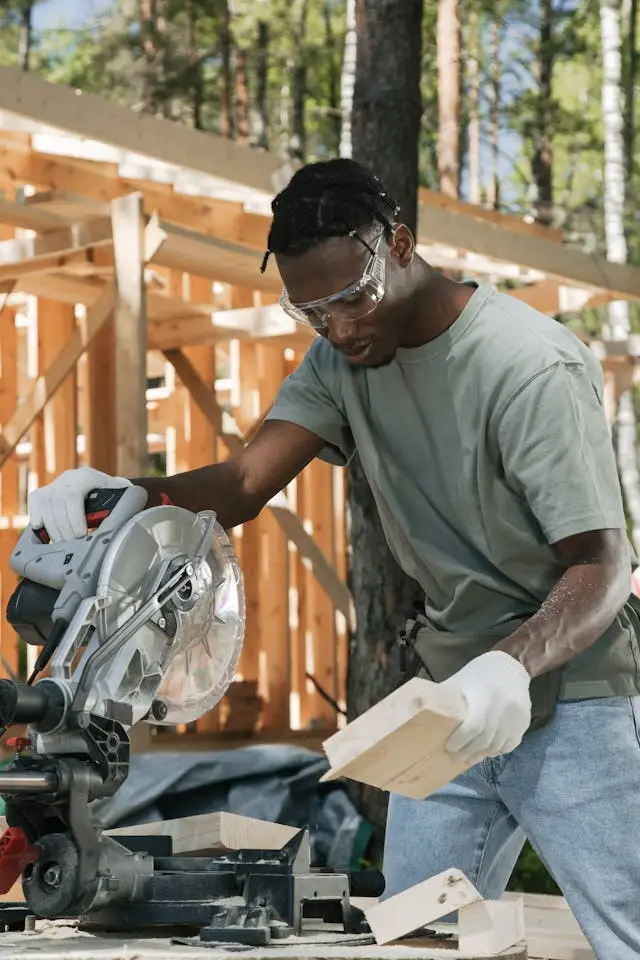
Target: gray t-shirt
{"type": "Point", "coordinates": [482, 448]}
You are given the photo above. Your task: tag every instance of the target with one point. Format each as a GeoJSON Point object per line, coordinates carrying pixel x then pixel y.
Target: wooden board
{"type": "Point", "coordinates": [420, 905]}
{"type": "Point", "coordinates": [398, 744]}
{"type": "Point", "coordinates": [87, 115]}
{"type": "Point", "coordinates": [130, 337]}
{"type": "Point", "coordinates": [213, 833]}
{"type": "Point", "coordinates": [490, 926]}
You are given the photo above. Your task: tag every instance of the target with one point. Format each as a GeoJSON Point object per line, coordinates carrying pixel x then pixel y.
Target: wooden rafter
{"type": "Point", "coordinates": [86, 115]}
{"type": "Point", "coordinates": [558, 261]}
{"type": "Point", "coordinates": [76, 188]}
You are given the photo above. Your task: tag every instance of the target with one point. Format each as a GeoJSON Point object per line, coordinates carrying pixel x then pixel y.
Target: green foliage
{"type": "Point", "coordinates": [530, 874]}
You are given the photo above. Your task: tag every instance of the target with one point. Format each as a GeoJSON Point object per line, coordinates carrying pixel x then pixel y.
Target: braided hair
{"type": "Point", "coordinates": [331, 198]}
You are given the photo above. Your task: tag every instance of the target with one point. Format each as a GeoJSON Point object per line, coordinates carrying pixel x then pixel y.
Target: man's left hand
{"type": "Point", "coordinates": [495, 687]}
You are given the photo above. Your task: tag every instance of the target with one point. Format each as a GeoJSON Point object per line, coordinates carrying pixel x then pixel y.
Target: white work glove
{"type": "Point", "coordinates": [495, 687]}
{"type": "Point", "coordinates": [59, 506]}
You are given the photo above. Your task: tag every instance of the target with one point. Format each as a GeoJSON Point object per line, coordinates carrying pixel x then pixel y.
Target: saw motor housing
{"type": "Point", "coordinates": [141, 620]}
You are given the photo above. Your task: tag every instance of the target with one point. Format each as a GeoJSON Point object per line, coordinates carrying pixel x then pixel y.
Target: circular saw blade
{"type": "Point", "coordinates": [188, 658]}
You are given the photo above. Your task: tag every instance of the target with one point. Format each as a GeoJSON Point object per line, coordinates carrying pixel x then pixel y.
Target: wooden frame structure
{"type": "Point", "coordinates": [136, 323]}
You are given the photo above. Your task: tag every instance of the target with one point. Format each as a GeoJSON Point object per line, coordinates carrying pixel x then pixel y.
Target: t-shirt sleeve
{"type": "Point", "coordinates": [557, 454]}
{"type": "Point", "coordinates": [310, 397]}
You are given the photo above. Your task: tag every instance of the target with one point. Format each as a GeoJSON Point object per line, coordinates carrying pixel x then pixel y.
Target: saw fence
{"type": "Point", "coordinates": [138, 335]}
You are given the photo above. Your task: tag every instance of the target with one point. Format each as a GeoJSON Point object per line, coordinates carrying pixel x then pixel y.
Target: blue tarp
{"type": "Point", "coordinates": [275, 782]}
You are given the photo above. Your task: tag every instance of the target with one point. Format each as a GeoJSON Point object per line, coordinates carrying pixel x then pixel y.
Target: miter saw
{"type": "Point", "coordinates": [141, 620]}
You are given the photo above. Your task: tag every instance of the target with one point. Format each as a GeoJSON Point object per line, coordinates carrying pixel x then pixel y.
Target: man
{"type": "Point", "coordinates": [480, 426]}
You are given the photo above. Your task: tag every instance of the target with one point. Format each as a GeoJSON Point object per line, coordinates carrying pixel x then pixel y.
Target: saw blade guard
{"type": "Point", "coordinates": [182, 660]}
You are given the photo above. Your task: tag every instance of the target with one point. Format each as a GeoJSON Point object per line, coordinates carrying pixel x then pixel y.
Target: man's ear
{"type": "Point", "coordinates": [402, 245]}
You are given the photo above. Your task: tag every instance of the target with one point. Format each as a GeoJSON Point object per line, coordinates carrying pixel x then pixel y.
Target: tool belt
{"type": "Point", "coordinates": [440, 654]}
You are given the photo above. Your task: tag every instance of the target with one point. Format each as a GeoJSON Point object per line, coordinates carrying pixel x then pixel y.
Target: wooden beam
{"type": "Point", "coordinates": [177, 332]}
{"type": "Point", "coordinates": [46, 385]}
{"type": "Point", "coordinates": [250, 542]}
{"type": "Point", "coordinates": [9, 643]}
{"type": "Point", "coordinates": [507, 221]}
{"type": "Point", "coordinates": [56, 325]}
{"type": "Point", "coordinates": [86, 115]}
{"type": "Point", "coordinates": [554, 299]}
{"type": "Point", "coordinates": [66, 240]}
{"type": "Point", "coordinates": [184, 250]}
{"type": "Point", "coordinates": [80, 189]}
{"type": "Point", "coordinates": [317, 481]}
{"type": "Point", "coordinates": [43, 265]}
{"type": "Point", "coordinates": [216, 259]}
{"type": "Point", "coordinates": [564, 263]}
{"type": "Point", "coordinates": [130, 337]}
{"type": "Point", "coordinates": [290, 523]}
{"type": "Point", "coordinates": [15, 214]}
{"type": "Point", "coordinates": [273, 580]}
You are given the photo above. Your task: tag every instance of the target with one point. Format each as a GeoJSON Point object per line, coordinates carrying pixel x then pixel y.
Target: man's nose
{"type": "Point", "coordinates": [340, 331]}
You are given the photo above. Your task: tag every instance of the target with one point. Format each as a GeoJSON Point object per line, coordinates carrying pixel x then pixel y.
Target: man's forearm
{"type": "Point", "coordinates": [218, 487]}
{"type": "Point", "coordinates": [581, 607]}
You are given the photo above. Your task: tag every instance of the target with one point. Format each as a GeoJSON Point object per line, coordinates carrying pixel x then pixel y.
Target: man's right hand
{"type": "Point", "coordinates": [59, 507]}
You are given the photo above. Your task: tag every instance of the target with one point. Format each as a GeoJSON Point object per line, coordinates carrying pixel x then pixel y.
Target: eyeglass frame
{"type": "Point", "coordinates": [373, 275]}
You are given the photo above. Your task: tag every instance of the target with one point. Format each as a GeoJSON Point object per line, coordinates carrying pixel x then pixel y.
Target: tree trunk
{"type": "Point", "coordinates": [348, 79]}
{"type": "Point", "coordinates": [262, 102]}
{"type": "Point", "coordinates": [299, 88]}
{"type": "Point", "coordinates": [473, 71]}
{"type": "Point", "coordinates": [26, 36]}
{"type": "Point", "coordinates": [385, 131]}
{"type": "Point", "coordinates": [194, 68]}
{"type": "Point", "coordinates": [493, 185]}
{"type": "Point", "coordinates": [153, 25]}
{"type": "Point", "coordinates": [630, 93]}
{"type": "Point", "coordinates": [334, 74]}
{"type": "Point", "coordinates": [226, 44]}
{"type": "Point", "coordinates": [148, 41]}
{"type": "Point", "coordinates": [542, 157]}
{"type": "Point", "coordinates": [616, 244]}
{"type": "Point", "coordinates": [242, 99]}
{"type": "Point", "coordinates": [448, 44]}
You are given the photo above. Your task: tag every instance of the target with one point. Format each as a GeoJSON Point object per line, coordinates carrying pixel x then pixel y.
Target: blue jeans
{"type": "Point", "coordinates": [573, 790]}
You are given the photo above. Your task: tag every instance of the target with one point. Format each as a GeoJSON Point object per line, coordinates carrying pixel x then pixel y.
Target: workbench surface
{"type": "Point", "coordinates": [60, 941]}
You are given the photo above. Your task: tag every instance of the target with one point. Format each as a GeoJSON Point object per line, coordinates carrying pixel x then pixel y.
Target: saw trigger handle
{"type": "Point", "coordinates": [98, 505]}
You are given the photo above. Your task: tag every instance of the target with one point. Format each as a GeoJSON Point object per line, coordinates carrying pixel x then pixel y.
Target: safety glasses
{"type": "Point", "coordinates": [351, 304]}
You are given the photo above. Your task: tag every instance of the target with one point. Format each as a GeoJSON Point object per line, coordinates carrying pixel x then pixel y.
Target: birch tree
{"type": "Point", "coordinates": [616, 244]}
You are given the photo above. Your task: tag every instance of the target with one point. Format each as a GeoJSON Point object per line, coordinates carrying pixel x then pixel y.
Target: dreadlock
{"type": "Point", "coordinates": [332, 198]}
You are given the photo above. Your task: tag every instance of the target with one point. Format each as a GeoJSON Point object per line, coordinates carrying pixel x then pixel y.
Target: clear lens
{"type": "Point", "coordinates": [349, 305]}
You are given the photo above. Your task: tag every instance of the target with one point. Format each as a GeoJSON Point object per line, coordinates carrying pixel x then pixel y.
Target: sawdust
{"type": "Point", "coordinates": [57, 940]}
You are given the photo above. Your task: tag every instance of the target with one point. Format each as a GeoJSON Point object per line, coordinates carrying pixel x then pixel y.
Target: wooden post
{"type": "Point", "coordinates": [130, 333]}
{"type": "Point", "coordinates": [56, 323]}
{"type": "Point", "coordinates": [130, 358]}
{"type": "Point", "coordinates": [301, 577]}
{"type": "Point", "coordinates": [318, 484]}
{"type": "Point", "coordinates": [342, 636]}
{"type": "Point", "coordinates": [99, 401]}
{"type": "Point", "coordinates": [9, 647]}
{"type": "Point", "coordinates": [251, 539]}
{"type": "Point", "coordinates": [274, 572]}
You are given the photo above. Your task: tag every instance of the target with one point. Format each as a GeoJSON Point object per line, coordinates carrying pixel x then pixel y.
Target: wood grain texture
{"type": "Point", "coordinates": [398, 744]}
{"type": "Point", "coordinates": [213, 833]}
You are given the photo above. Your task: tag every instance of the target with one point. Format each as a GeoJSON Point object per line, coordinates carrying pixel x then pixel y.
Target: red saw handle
{"type": "Point", "coordinates": [16, 853]}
